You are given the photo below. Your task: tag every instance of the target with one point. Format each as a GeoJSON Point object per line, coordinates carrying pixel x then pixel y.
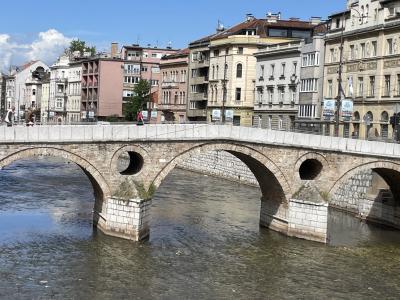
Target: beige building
{"type": "Point", "coordinates": [370, 64]}
{"type": "Point", "coordinates": [173, 89]}
{"type": "Point", "coordinates": [223, 67]}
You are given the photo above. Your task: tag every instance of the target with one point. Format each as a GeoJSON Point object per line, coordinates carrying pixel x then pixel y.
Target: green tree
{"type": "Point", "coordinates": [138, 101]}
{"type": "Point", "coordinates": [78, 45]}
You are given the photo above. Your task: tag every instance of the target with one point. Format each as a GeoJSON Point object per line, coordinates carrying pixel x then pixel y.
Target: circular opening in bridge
{"type": "Point", "coordinates": [130, 163]}
{"type": "Point", "coordinates": [310, 169]}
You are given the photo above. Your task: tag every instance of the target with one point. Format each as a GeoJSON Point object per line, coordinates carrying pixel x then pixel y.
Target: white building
{"type": "Point", "coordinates": [18, 95]}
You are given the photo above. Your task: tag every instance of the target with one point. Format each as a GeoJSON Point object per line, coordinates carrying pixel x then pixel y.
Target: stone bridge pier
{"type": "Point", "coordinates": [298, 174]}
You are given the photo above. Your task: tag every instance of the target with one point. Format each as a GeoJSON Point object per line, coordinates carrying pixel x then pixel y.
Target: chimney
{"type": "Point", "coordinates": [273, 18]}
{"type": "Point", "coordinates": [114, 50]}
{"type": "Point", "coordinates": [315, 20]}
{"type": "Point", "coordinates": [249, 17]}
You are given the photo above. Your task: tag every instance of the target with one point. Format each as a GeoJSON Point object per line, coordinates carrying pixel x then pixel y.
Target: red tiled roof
{"type": "Point", "coordinates": [28, 64]}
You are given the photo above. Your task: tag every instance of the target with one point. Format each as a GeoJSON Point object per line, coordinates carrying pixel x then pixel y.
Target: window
{"type": "Point", "coordinates": [293, 95]}
{"type": "Point", "coordinates": [238, 94]}
{"type": "Point", "coordinates": [274, 32]}
{"type": "Point", "coordinates": [239, 71]}
{"type": "Point", "coordinates": [398, 84]}
{"type": "Point", "coordinates": [330, 89]}
{"type": "Point", "coordinates": [352, 53]}
{"type": "Point", "coordinates": [240, 50]}
{"type": "Point", "coordinates": [59, 103]}
{"type": "Point", "coordinates": [281, 94]}
{"type": "Point", "coordinates": [310, 59]}
{"type": "Point", "coordinates": [33, 92]}
{"type": "Point", "coordinates": [280, 122]}
{"type": "Point", "coordinates": [227, 51]}
{"type": "Point", "coordinates": [360, 86]}
{"type": "Point", "coordinates": [374, 48]}
{"type": "Point", "coordinates": [144, 69]}
{"type": "Point", "coordinates": [337, 23]}
{"type": "Point", "coordinates": [387, 85]}
{"type": "Point", "coordinates": [262, 71]}
{"type": "Point", "coordinates": [270, 95]}
{"type": "Point", "coordinates": [213, 72]}
{"type": "Point", "coordinates": [283, 68]}
{"type": "Point", "coordinates": [272, 71]}
{"type": "Point", "coordinates": [389, 45]}
{"type": "Point", "coordinates": [216, 53]}
{"type": "Point", "coordinates": [363, 55]}
{"type": "Point", "coordinates": [332, 55]}
{"type": "Point", "coordinates": [372, 86]}
{"type": "Point", "coordinates": [154, 55]}
{"type": "Point", "coordinates": [309, 85]}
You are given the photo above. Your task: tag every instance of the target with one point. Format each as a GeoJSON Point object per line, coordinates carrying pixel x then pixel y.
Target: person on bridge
{"type": "Point", "coordinates": [9, 119]}
{"type": "Point", "coordinates": [139, 118]}
{"type": "Point", "coordinates": [30, 119]}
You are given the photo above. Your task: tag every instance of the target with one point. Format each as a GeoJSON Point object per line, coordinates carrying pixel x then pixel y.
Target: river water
{"type": "Point", "coordinates": [205, 244]}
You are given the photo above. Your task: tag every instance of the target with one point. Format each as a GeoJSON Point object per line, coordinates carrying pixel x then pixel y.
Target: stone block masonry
{"type": "Point", "coordinates": [220, 164]}
{"type": "Point", "coordinates": [128, 219]}
{"type": "Point", "coordinates": [369, 198]}
{"type": "Point", "coordinates": [308, 220]}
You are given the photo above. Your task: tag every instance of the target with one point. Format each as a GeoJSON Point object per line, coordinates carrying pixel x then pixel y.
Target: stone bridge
{"type": "Point", "coordinates": [298, 173]}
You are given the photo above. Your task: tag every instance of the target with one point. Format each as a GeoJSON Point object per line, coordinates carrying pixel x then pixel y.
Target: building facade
{"type": "Point", "coordinates": [278, 80]}
{"type": "Point", "coordinates": [370, 31]}
{"type": "Point", "coordinates": [143, 63]}
{"type": "Point", "coordinates": [102, 88]}
{"type": "Point", "coordinates": [311, 73]}
{"type": "Point", "coordinates": [173, 92]}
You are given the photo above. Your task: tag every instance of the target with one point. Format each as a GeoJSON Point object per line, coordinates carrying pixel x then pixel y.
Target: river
{"type": "Point", "coordinates": [205, 243]}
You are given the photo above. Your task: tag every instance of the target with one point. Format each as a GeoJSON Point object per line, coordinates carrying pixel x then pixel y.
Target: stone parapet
{"type": "Point", "coordinates": [190, 132]}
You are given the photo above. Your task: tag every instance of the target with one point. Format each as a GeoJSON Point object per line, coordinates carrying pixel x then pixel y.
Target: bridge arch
{"type": "Point", "coordinates": [271, 179]}
{"type": "Point", "coordinates": [389, 171]}
{"type": "Point", "coordinates": [100, 186]}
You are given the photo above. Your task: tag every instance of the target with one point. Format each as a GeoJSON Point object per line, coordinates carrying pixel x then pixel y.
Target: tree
{"type": "Point", "coordinates": [138, 101]}
{"type": "Point", "coordinates": [78, 45]}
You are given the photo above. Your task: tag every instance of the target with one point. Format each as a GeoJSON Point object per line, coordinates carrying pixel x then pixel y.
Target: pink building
{"type": "Point", "coordinates": [173, 92]}
{"type": "Point", "coordinates": [102, 86]}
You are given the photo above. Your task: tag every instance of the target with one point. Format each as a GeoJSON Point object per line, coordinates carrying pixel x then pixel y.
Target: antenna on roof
{"type": "Point", "coordinates": [220, 26]}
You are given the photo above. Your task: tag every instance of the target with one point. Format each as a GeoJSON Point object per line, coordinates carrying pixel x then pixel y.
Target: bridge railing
{"type": "Point", "coordinates": [295, 130]}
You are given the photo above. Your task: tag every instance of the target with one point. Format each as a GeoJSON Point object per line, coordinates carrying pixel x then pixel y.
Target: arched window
{"type": "Point", "coordinates": [356, 116]}
{"type": "Point", "coordinates": [384, 116]}
{"type": "Point", "coordinates": [217, 72]}
{"type": "Point", "coordinates": [369, 116]}
{"type": "Point", "coordinates": [239, 71]}
{"type": "Point", "coordinates": [213, 72]}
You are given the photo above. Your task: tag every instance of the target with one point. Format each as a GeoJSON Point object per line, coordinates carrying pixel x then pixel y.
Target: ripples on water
{"type": "Point", "coordinates": [205, 243]}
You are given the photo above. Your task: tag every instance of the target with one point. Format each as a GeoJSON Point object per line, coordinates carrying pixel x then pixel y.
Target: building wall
{"type": "Point", "coordinates": [280, 111]}
{"type": "Point", "coordinates": [232, 58]}
{"type": "Point", "coordinates": [110, 88]}
{"type": "Point", "coordinates": [173, 94]}
{"type": "Point", "coordinates": [365, 67]}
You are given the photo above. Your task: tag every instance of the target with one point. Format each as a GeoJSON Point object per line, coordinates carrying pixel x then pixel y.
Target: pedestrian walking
{"type": "Point", "coordinates": [139, 118]}
{"type": "Point", "coordinates": [29, 119]}
{"type": "Point", "coordinates": [9, 119]}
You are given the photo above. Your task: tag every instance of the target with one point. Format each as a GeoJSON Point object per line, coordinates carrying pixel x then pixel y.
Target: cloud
{"type": "Point", "coordinates": [46, 47]}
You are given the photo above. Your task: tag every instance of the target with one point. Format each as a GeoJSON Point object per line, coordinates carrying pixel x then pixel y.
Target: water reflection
{"type": "Point", "coordinates": [205, 243]}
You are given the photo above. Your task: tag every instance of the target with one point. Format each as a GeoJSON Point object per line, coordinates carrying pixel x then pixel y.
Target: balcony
{"type": "Point", "coordinates": [197, 113]}
{"type": "Point", "coordinates": [198, 96]}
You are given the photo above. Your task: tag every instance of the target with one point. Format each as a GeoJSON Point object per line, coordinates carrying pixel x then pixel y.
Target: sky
{"type": "Point", "coordinates": [42, 29]}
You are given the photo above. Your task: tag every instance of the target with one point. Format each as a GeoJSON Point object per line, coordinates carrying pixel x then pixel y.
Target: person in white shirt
{"type": "Point", "coordinates": [10, 117]}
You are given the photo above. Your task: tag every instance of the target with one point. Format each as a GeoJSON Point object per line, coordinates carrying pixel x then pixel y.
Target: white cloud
{"type": "Point", "coordinates": [47, 47]}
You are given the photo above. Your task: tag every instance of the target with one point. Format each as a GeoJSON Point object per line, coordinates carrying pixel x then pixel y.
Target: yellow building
{"type": "Point", "coordinates": [232, 64]}
{"type": "Point", "coordinates": [370, 31]}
